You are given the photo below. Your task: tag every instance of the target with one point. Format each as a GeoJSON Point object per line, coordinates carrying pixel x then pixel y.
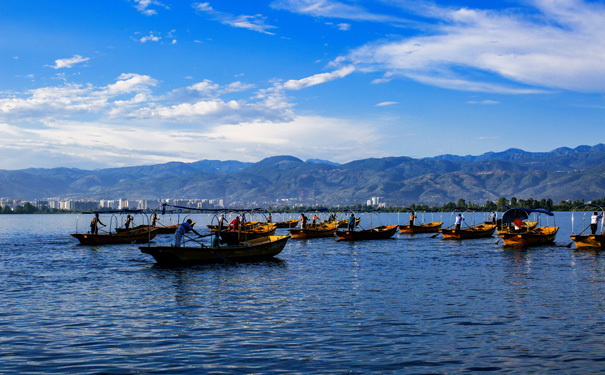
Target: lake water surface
{"type": "Point", "coordinates": [409, 305]}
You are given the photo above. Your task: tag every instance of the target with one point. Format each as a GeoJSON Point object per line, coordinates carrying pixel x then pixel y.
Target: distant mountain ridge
{"type": "Point", "coordinates": [563, 173]}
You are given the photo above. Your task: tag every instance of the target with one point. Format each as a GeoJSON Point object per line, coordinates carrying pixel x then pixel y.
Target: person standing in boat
{"type": "Point", "coordinates": [351, 224]}
{"type": "Point", "coordinates": [412, 217]}
{"type": "Point", "coordinates": [128, 221]}
{"type": "Point", "coordinates": [94, 224]}
{"type": "Point", "coordinates": [184, 228]}
{"type": "Point", "coordinates": [492, 217]}
{"type": "Point", "coordinates": [594, 222]}
{"type": "Point", "coordinates": [154, 219]}
{"type": "Point", "coordinates": [458, 223]}
{"type": "Point", "coordinates": [235, 223]}
{"type": "Point", "coordinates": [303, 221]}
{"type": "Point", "coordinates": [315, 219]}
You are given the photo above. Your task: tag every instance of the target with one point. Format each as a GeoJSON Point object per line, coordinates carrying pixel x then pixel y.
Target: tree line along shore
{"type": "Point", "coordinates": [502, 204]}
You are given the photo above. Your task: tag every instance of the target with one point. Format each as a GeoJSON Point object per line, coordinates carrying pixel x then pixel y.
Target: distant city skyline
{"type": "Point", "coordinates": [101, 84]}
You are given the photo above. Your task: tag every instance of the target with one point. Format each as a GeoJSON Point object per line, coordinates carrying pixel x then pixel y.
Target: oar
{"type": "Point", "coordinates": [569, 244]}
{"type": "Point", "coordinates": [435, 235]}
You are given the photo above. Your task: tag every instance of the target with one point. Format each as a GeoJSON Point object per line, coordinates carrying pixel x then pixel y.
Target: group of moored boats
{"type": "Point", "coordinates": [240, 240]}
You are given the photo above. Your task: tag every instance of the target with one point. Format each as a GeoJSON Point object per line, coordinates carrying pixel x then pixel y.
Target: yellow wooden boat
{"type": "Point", "coordinates": [310, 231]}
{"type": "Point", "coordinates": [476, 231]}
{"type": "Point", "coordinates": [589, 241]}
{"type": "Point", "coordinates": [432, 227]}
{"type": "Point", "coordinates": [516, 231]}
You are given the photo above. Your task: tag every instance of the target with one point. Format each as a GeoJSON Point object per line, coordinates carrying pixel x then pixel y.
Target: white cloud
{"type": "Point", "coordinates": [561, 47]}
{"type": "Point", "coordinates": [150, 38]}
{"type": "Point", "coordinates": [143, 6]}
{"type": "Point", "coordinates": [318, 78]}
{"type": "Point", "coordinates": [332, 9]}
{"type": "Point", "coordinates": [483, 102]}
{"type": "Point", "coordinates": [254, 23]}
{"type": "Point", "coordinates": [385, 104]}
{"type": "Point", "coordinates": [103, 144]}
{"type": "Point", "coordinates": [69, 62]}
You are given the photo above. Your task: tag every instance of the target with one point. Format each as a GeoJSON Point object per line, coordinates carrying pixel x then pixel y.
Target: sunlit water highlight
{"type": "Point", "coordinates": [412, 305]}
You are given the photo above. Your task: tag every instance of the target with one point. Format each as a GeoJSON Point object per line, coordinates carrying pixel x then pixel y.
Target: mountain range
{"type": "Point", "coordinates": [561, 174]}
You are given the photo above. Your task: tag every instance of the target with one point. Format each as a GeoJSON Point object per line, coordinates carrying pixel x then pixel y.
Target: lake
{"type": "Point", "coordinates": [408, 305]}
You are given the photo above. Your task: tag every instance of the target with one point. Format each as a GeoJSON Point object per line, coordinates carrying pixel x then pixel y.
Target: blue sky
{"type": "Point", "coordinates": [94, 84]}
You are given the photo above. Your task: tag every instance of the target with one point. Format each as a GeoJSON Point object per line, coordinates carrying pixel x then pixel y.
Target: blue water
{"type": "Point", "coordinates": [409, 305]}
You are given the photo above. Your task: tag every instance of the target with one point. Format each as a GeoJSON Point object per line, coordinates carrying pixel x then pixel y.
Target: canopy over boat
{"type": "Point", "coordinates": [514, 231]}
{"type": "Point", "coordinates": [522, 213]}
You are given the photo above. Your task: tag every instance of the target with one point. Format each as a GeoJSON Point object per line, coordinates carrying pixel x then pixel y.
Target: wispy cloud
{"type": "Point", "coordinates": [483, 102]}
{"type": "Point", "coordinates": [332, 9]}
{"type": "Point", "coordinates": [144, 6]}
{"type": "Point", "coordinates": [386, 104]}
{"type": "Point", "coordinates": [254, 23]}
{"type": "Point", "coordinates": [69, 62]}
{"type": "Point", "coordinates": [318, 78]}
{"type": "Point", "coordinates": [562, 46]}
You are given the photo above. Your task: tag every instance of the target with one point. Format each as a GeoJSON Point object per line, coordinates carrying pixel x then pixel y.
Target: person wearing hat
{"type": "Point", "coordinates": [182, 229]}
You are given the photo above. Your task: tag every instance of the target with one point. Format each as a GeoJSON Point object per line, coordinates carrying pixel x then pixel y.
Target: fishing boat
{"type": "Point", "coordinates": [515, 233]}
{"type": "Point", "coordinates": [286, 224]}
{"type": "Point", "coordinates": [143, 234]}
{"type": "Point", "coordinates": [317, 231]}
{"type": "Point", "coordinates": [416, 226]}
{"type": "Point", "coordinates": [252, 250]}
{"type": "Point", "coordinates": [471, 232]}
{"type": "Point", "coordinates": [590, 241]}
{"type": "Point", "coordinates": [432, 227]}
{"type": "Point", "coordinates": [234, 236]}
{"type": "Point", "coordinates": [378, 233]}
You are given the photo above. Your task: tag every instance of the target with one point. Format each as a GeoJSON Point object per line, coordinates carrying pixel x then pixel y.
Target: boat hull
{"type": "Point", "coordinates": [257, 249]}
{"type": "Point", "coordinates": [286, 224]}
{"type": "Point", "coordinates": [379, 233]}
{"type": "Point", "coordinates": [123, 237]}
{"type": "Point", "coordinates": [534, 237]}
{"type": "Point", "coordinates": [313, 232]}
{"type": "Point", "coordinates": [589, 241]}
{"type": "Point", "coordinates": [478, 231]}
{"type": "Point", "coordinates": [423, 228]}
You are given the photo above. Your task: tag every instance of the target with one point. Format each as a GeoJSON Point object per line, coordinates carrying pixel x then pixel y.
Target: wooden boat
{"type": "Point", "coordinates": [253, 250]}
{"type": "Point", "coordinates": [319, 231]}
{"type": "Point", "coordinates": [169, 229]}
{"type": "Point", "coordinates": [532, 237]}
{"type": "Point", "coordinates": [233, 237]}
{"type": "Point", "coordinates": [378, 233]}
{"type": "Point", "coordinates": [286, 224]}
{"type": "Point", "coordinates": [516, 231]}
{"type": "Point", "coordinates": [141, 235]}
{"type": "Point", "coordinates": [341, 223]}
{"type": "Point", "coordinates": [476, 231]}
{"type": "Point", "coordinates": [589, 241]}
{"type": "Point", "coordinates": [422, 228]}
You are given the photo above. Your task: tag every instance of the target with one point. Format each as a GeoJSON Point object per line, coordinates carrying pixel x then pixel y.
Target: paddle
{"type": "Point", "coordinates": [435, 235]}
{"type": "Point", "coordinates": [571, 243]}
